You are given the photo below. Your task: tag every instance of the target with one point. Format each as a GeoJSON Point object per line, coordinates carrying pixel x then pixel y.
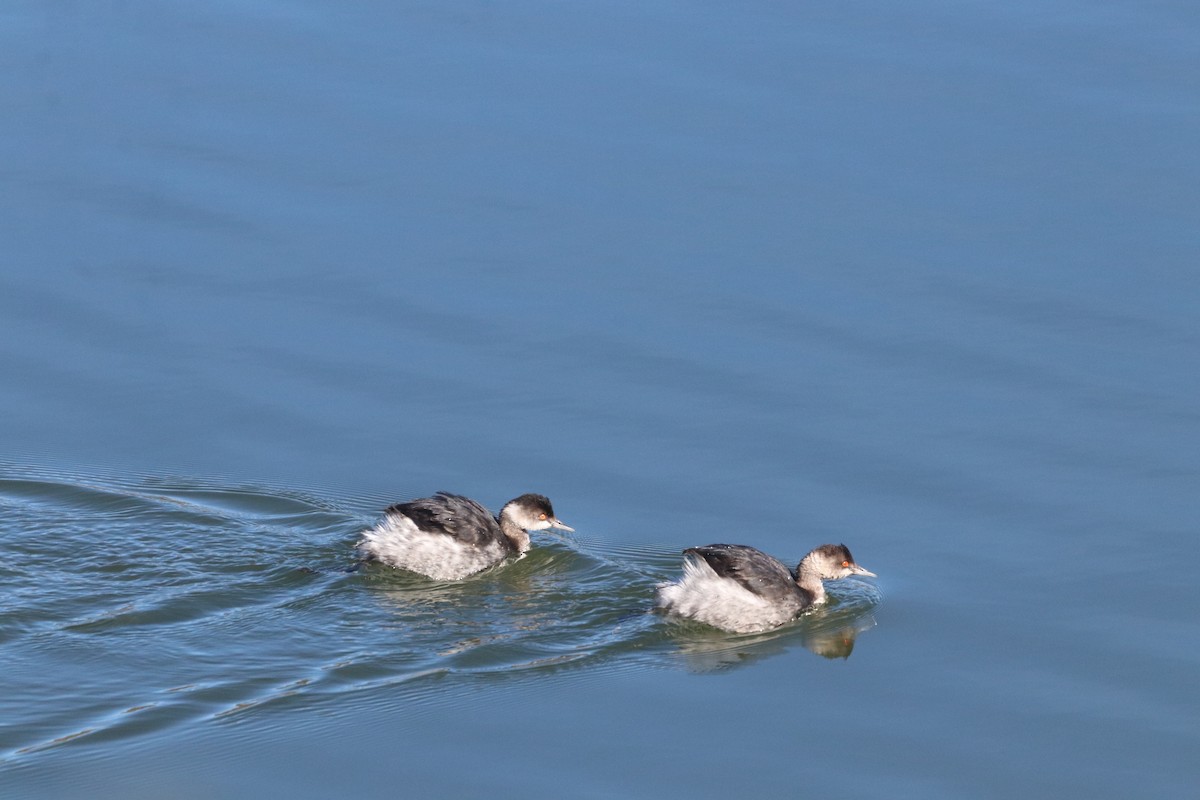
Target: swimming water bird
{"type": "Point", "coordinates": [740, 589]}
{"type": "Point", "coordinates": [448, 536]}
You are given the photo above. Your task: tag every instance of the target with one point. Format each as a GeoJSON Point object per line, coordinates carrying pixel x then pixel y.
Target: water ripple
{"type": "Point", "coordinates": [190, 602]}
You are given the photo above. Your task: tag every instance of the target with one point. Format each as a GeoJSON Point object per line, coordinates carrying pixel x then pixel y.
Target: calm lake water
{"type": "Point", "coordinates": [919, 278]}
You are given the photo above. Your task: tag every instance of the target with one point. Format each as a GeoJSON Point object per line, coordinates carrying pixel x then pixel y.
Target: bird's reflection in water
{"type": "Point", "coordinates": [412, 598]}
{"type": "Point", "coordinates": [504, 615]}
{"type": "Point", "coordinates": [829, 635]}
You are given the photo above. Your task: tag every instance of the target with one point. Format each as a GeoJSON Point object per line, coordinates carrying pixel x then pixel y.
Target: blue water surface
{"type": "Point", "coordinates": [921, 279]}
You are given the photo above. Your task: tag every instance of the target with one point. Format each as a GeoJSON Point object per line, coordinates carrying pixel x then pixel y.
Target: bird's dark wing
{"type": "Point", "coordinates": [453, 515]}
{"type": "Point", "coordinates": [753, 569]}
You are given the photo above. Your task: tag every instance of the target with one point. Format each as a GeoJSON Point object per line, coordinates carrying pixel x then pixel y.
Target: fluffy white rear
{"type": "Point", "coordinates": [398, 542]}
{"type": "Point", "coordinates": [703, 595]}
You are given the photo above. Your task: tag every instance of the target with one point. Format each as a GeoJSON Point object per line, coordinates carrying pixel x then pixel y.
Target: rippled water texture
{"type": "Point", "coordinates": [919, 278]}
{"type": "Point", "coordinates": [196, 603]}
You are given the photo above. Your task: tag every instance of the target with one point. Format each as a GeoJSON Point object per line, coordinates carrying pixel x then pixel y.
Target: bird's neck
{"type": "Point", "coordinates": [809, 580]}
{"type": "Point", "coordinates": [516, 535]}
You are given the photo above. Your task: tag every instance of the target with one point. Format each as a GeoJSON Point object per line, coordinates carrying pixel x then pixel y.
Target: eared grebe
{"type": "Point", "coordinates": [740, 589]}
{"type": "Point", "coordinates": [448, 536]}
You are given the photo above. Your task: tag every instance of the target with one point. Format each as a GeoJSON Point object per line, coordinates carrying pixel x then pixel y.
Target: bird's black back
{"type": "Point", "coordinates": [452, 515]}
{"type": "Point", "coordinates": [760, 573]}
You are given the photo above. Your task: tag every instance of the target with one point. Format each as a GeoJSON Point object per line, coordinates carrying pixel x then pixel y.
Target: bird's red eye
{"type": "Point", "coordinates": [845, 563]}
{"type": "Point", "coordinates": [541, 516]}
